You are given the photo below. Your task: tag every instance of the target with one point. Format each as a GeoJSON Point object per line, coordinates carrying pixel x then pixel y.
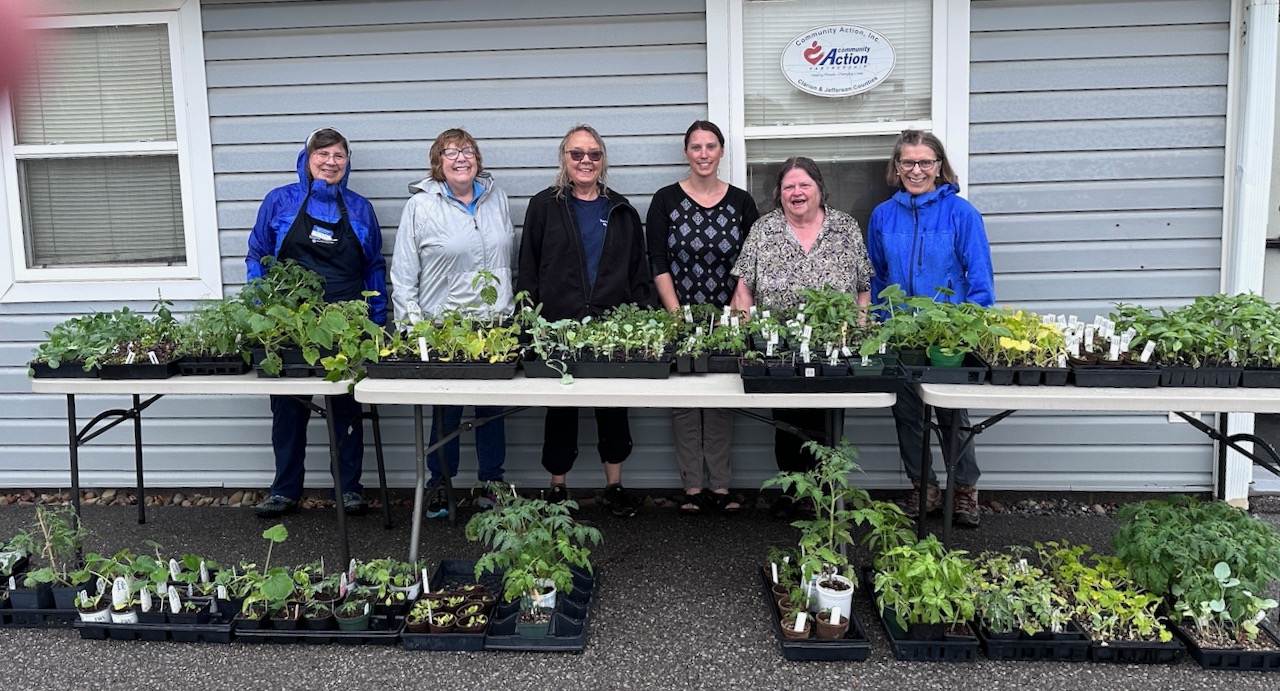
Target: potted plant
{"type": "Point", "coordinates": [212, 339]}
{"type": "Point", "coordinates": [535, 545]}
{"type": "Point", "coordinates": [1019, 346]}
{"type": "Point", "coordinates": [141, 348]}
{"type": "Point", "coordinates": [94, 608]}
{"type": "Point", "coordinates": [58, 537]}
{"type": "Point", "coordinates": [73, 348]}
{"type": "Point", "coordinates": [352, 615]}
{"type": "Point", "coordinates": [925, 592]}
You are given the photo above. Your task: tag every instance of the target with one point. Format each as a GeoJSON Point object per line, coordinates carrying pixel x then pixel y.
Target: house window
{"type": "Point", "coordinates": [850, 137]}
{"type": "Point", "coordinates": [107, 169]}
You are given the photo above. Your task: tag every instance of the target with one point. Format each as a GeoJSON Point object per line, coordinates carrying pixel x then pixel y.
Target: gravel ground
{"type": "Point", "coordinates": [679, 607]}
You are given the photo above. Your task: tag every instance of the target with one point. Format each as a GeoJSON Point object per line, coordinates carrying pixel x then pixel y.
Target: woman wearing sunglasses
{"type": "Point", "coordinates": [456, 224]}
{"type": "Point", "coordinates": [927, 237]}
{"type": "Point", "coordinates": [582, 252]}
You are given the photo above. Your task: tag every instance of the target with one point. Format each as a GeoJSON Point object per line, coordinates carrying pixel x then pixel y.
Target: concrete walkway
{"type": "Point", "coordinates": [680, 607]}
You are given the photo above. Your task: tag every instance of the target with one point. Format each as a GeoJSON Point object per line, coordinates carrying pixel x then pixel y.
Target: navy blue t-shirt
{"type": "Point", "coordinates": [593, 218]}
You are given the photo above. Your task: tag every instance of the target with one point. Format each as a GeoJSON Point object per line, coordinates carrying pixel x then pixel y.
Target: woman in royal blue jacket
{"type": "Point", "coordinates": [327, 228]}
{"type": "Point", "coordinates": [926, 238]}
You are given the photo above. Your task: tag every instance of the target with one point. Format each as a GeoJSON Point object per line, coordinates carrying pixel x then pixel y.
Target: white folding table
{"type": "Point", "coordinates": [1010, 399]}
{"type": "Point", "coordinates": [691, 391]}
{"type": "Point", "coordinates": [212, 385]}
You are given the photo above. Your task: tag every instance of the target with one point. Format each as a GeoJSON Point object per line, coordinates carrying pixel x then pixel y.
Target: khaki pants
{"type": "Point", "coordinates": [702, 437]}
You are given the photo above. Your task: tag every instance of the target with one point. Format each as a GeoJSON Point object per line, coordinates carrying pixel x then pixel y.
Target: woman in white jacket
{"type": "Point", "coordinates": [456, 224]}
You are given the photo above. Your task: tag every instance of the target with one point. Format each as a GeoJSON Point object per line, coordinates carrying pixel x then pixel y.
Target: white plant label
{"type": "Point", "coordinates": [204, 572]}
{"type": "Point", "coordinates": [808, 332]}
{"type": "Point", "coordinates": [1073, 320]}
{"type": "Point", "coordinates": [884, 347]}
{"type": "Point", "coordinates": [162, 589]}
{"type": "Point", "coordinates": [174, 569]}
{"type": "Point", "coordinates": [145, 595]}
{"type": "Point", "coordinates": [1062, 359]}
{"type": "Point", "coordinates": [425, 581]}
{"type": "Point", "coordinates": [835, 616]}
{"type": "Point", "coordinates": [697, 331]}
{"type": "Point", "coordinates": [1114, 352]}
{"type": "Point", "coordinates": [222, 592]}
{"type": "Point", "coordinates": [1098, 320]}
{"type": "Point", "coordinates": [129, 357]}
{"type": "Point", "coordinates": [844, 350]}
{"type": "Point", "coordinates": [1088, 338]}
{"type": "Point", "coordinates": [1126, 339]}
{"type": "Point", "coordinates": [152, 355]}
{"type": "Point", "coordinates": [774, 566]}
{"type": "Point", "coordinates": [801, 618]}
{"type": "Point", "coordinates": [422, 348]}
{"type": "Point", "coordinates": [810, 372]}
{"type": "Point", "coordinates": [351, 570]}
{"type": "Point", "coordinates": [342, 585]}
{"type": "Point", "coordinates": [773, 338]}
{"type": "Point", "coordinates": [733, 321]}
{"type": "Point", "coordinates": [866, 360]}
{"type": "Point", "coordinates": [119, 592]}
{"type": "Point", "coordinates": [752, 311]}
{"type": "Point", "coordinates": [768, 350]}
{"type": "Point", "coordinates": [175, 605]}
{"type": "Point", "coordinates": [1147, 351]}
{"type": "Point", "coordinates": [802, 306]}
{"type": "Point", "coordinates": [688, 315]}
{"type": "Point", "coordinates": [13, 584]}
{"type": "Point", "coordinates": [800, 317]}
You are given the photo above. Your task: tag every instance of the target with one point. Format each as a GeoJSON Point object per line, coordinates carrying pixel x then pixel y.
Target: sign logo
{"type": "Point", "coordinates": [837, 60]}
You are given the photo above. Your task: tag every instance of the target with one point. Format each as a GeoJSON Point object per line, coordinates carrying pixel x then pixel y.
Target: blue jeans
{"type": "Point", "coordinates": [289, 419]}
{"type": "Point", "coordinates": [908, 415]}
{"type": "Point", "coordinates": [491, 443]}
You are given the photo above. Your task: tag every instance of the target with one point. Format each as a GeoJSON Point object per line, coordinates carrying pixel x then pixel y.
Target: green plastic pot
{"type": "Point", "coordinates": [938, 358]}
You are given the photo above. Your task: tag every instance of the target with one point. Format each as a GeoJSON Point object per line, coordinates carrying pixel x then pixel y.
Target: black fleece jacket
{"type": "Point", "coordinates": [553, 269]}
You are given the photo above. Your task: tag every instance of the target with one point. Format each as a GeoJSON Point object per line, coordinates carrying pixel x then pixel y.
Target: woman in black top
{"type": "Point", "coordinates": [695, 230]}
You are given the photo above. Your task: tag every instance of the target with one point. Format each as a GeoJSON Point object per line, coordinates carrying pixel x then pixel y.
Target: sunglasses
{"type": "Point", "coordinates": [593, 155]}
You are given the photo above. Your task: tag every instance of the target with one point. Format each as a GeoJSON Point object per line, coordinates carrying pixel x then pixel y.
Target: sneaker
{"type": "Point", "coordinates": [966, 510]}
{"type": "Point", "coordinates": [354, 504]}
{"type": "Point", "coordinates": [911, 502]}
{"type": "Point", "coordinates": [438, 507]}
{"type": "Point", "coordinates": [276, 506]}
{"type": "Point", "coordinates": [558, 494]}
{"type": "Point", "coordinates": [486, 501]}
{"type": "Point", "coordinates": [618, 501]}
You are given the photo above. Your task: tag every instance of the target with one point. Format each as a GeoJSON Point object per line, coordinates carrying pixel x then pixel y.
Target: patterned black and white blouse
{"type": "Point", "coordinates": [698, 245]}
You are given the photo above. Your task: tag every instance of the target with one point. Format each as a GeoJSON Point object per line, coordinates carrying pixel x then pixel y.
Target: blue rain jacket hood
{"type": "Point", "coordinates": [282, 205]}
{"type": "Point", "coordinates": [931, 240]}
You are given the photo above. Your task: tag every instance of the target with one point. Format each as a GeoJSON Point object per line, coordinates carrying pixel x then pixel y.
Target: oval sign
{"type": "Point", "coordinates": [837, 60]}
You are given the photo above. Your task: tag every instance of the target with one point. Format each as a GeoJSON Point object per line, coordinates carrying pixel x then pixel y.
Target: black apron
{"type": "Point", "coordinates": [329, 249]}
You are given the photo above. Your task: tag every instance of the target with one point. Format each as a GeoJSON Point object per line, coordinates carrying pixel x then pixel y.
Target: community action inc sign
{"type": "Point", "coordinates": [837, 60]}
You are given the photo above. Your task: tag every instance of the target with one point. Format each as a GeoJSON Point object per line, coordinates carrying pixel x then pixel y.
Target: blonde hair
{"type": "Point", "coordinates": [562, 175]}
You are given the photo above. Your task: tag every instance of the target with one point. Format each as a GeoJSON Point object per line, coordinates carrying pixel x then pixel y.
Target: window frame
{"type": "Point", "coordinates": [200, 276]}
{"type": "Point", "coordinates": [949, 101]}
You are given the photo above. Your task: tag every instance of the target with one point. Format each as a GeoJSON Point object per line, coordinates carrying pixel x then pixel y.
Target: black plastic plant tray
{"type": "Point", "coordinates": [65, 370]}
{"type": "Point", "coordinates": [1028, 376]}
{"type": "Point", "coordinates": [382, 630]}
{"type": "Point", "coordinates": [1113, 377]}
{"type": "Point", "coordinates": [1253, 378]}
{"type": "Point", "coordinates": [654, 369]}
{"type": "Point", "coordinates": [722, 364]}
{"type": "Point", "coordinates": [853, 647]}
{"type": "Point", "coordinates": [953, 649]}
{"type": "Point", "coordinates": [1069, 646]}
{"type": "Point", "coordinates": [689, 364]}
{"type": "Point", "coordinates": [450, 574]}
{"type": "Point", "coordinates": [891, 382]}
{"type": "Point", "coordinates": [1201, 377]}
{"type": "Point", "coordinates": [972, 371]}
{"type": "Point", "coordinates": [213, 632]}
{"type": "Point", "coordinates": [569, 623]}
{"type": "Point", "coordinates": [1230, 658]}
{"type": "Point", "coordinates": [1137, 652]}
{"type": "Point", "coordinates": [39, 618]}
{"type": "Point", "coordinates": [409, 369]}
{"type": "Point", "coordinates": [294, 365]}
{"type": "Point", "coordinates": [142, 370]}
{"type": "Point", "coordinates": [227, 365]}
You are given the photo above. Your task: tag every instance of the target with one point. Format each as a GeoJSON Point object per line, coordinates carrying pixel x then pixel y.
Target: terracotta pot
{"type": "Point", "coordinates": [789, 627]}
{"type": "Point", "coordinates": [828, 631]}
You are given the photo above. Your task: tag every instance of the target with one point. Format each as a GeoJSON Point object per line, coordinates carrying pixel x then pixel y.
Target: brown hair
{"type": "Point", "coordinates": [808, 166]}
{"type": "Point", "coordinates": [562, 175]}
{"type": "Point", "coordinates": [325, 137]}
{"type": "Point", "coordinates": [461, 139]}
{"type": "Point", "coordinates": [705, 126]}
{"type": "Point", "coordinates": [917, 138]}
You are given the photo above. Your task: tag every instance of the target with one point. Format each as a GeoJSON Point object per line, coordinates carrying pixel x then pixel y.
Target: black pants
{"type": "Point", "coordinates": [560, 437]}
{"type": "Point", "coordinates": [787, 447]}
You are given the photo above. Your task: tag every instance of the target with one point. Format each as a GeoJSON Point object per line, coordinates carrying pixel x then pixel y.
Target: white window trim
{"type": "Point", "coordinates": [725, 90]}
{"type": "Point", "coordinates": [202, 276]}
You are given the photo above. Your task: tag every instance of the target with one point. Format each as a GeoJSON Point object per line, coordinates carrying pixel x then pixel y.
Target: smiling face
{"type": "Point", "coordinates": [585, 173]}
{"type": "Point", "coordinates": [328, 163]}
{"type": "Point", "coordinates": [461, 171]}
{"type": "Point", "coordinates": [799, 194]}
{"type": "Point", "coordinates": [915, 179]}
{"type": "Point", "coordinates": [703, 153]}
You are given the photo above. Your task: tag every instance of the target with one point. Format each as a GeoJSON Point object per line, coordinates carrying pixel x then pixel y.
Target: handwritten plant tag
{"type": "Point", "coordinates": [175, 605]}
{"type": "Point", "coordinates": [119, 592]}
{"type": "Point", "coordinates": [204, 572]}
{"type": "Point", "coordinates": [145, 596]}
{"type": "Point", "coordinates": [174, 569]}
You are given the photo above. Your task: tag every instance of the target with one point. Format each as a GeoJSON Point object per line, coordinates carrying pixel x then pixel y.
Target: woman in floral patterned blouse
{"type": "Point", "coordinates": [803, 243]}
{"type": "Point", "coordinates": [695, 229]}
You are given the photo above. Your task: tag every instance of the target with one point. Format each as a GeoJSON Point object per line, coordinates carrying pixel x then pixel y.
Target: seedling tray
{"type": "Point", "coordinates": [951, 649]}
{"type": "Point", "coordinates": [65, 370]}
{"type": "Point", "coordinates": [1112, 377]}
{"type": "Point", "coordinates": [1028, 376]}
{"type": "Point", "coordinates": [38, 618]}
{"type": "Point", "coordinates": [409, 369]}
{"type": "Point", "coordinates": [1137, 652]}
{"type": "Point", "coordinates": [142, 370]}
{"type": "Point", "coordinates": [1230, 658]}
{"type": "Point", "coordinates": [890, 382]}
{"type": "Point", "coordinates": [1069, 646]}
{"type": "Point", "coordinates": [1201, 377]}
{"type": "Point", "coordinates": [383, 630]}
{"type": "Point", "coordinates": [722, 364]}
{"type": "Point", "coordinates": [972, 371]}
{"type": "Point", "coordinates": [569, 623]}
{"type": "Point", "coordinates": [450, 574]}
{"type": "Point", "coordinates": [633, 369]}
{"type": "Point", "coordinates": [1253, 378]}
{"type": "Point", "coordinates": [216, 631]}
{"type": "Point", "coordinates": [853, 647]}
{"type": "Point", "coordinates": [228, 365]}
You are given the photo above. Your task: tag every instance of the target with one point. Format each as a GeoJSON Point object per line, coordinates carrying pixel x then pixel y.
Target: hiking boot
{"type": "Point", "coordinates": [276, 506]}
{"type": "Point", "coordinates": [354, 504]}
{"type": "Point", "coordinates": [966, 508]}
{"type": "Point", "coordinates": [911, 502]}
{"type": "Point", "coordinates": [618, 501]}
{"type": "Point", "coordinates": [558, 494]}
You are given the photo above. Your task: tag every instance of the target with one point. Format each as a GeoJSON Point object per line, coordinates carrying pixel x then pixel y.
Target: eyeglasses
{"type": "Point", "coordinates": [925, 166]}
{"type": "Point", "coordinates": [322, 156]}
{"type": "Point", "coordinates": [593, 155]}
{"type": "Point", "coordinates": [452, 153]}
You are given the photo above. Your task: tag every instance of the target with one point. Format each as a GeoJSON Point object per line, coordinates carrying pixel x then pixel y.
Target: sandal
{"type": "Point", "coordinates": [725, 502]}
{"type": "Point", "coordinates": [693, 503]}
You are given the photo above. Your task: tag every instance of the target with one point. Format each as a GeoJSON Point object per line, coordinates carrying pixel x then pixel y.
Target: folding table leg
{"type": "Point", "coordinates": [420, 460]}
{"type": "Point", "coordinates": [925, 426]}
{"type": "Point", "coordinates": [137, 457]}
{"type": "Point", "coordinates": [950, 453]}
{"type": "Point", "coordinates": [73, 449]}
{"type": "Point", "coordinates": [336, 470]}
